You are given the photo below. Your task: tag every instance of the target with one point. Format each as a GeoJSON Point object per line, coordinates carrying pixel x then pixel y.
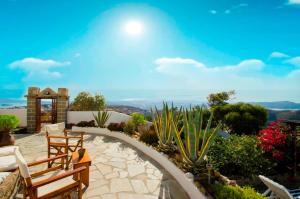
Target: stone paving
{"type": "Point", "coordinates": [118, 171]}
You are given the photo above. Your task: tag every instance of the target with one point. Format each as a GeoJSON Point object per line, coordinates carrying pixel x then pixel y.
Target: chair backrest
{"type": "Point", "coordinates": [279, 190]}
{"type": "Point", "coordinates": [55, 129]}
{"type": "Point", "coordinates": [24, 171]}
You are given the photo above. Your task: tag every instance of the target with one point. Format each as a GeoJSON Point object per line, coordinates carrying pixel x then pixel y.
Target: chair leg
{"type": "Point", "coordinates": [80, 190]}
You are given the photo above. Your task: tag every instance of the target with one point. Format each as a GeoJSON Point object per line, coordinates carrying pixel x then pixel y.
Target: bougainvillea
{"type": "Point", "coordinates": [273, 140]}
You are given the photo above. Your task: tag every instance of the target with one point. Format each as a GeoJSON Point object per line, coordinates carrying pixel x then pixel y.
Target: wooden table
{"type": "Point", "coordinates": [84, 161]}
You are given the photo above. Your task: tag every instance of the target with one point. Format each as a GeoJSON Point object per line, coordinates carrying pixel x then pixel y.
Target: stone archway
{"type": "Point", "coordinates": [35, 115]}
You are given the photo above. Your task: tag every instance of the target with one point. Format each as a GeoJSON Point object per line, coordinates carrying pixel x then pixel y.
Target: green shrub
{"type": "Point", "coordinates": [148, 135]}
{"type": "Point", "coordinates": [85, 101]}
{"type": "Point", "coordinates": [8, 123]}
{"type": "Point", "coordinates": [241, 118]}
{"type": "Point", "coordinates": [129, 128]}
{"type": "Point", "coordinates": [235, 192]}
{"type": "Point", "coordinates": [138, 119]}
{"type": "Point", "coordinates": [86, 123]}
{"type": "Point", "coordinates": [239, 155]}
{"type": "Point", "coordinates": [116, 126]}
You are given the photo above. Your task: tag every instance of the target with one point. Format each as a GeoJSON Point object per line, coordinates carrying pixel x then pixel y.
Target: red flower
{"type": "Point", "coordinates": [272, 140]}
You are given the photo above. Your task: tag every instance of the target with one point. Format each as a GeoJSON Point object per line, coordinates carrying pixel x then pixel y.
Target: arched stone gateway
{"type": "Point", "coordinates": [36, 116]}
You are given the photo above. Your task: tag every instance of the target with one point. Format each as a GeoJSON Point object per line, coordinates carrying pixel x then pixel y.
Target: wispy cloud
{"type": "Point", "coordinates": [77, 55]}
{"type": "Point", "coordinates": [294, 61]}
{"type": "Point", "coordinates": [178, 65]}
{"type": "Point", "coordinates": [277, 54]}
{"type": "Point", "coordinates": [235, 7]}
{"type": "Point", "coordinates": [38, 68]}
{"type": "Point", "coordinates": [294, 2]}
{"type": "Point", "coordinates": [213, 12]}
{"type": "Point", "coordinates": [190, 73]}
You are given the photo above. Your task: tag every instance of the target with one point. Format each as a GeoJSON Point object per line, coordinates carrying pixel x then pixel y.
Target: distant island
{"type": "Point", "coordinates": [279, 105]}
{"type": "Point", "coordinates": [276, 110]}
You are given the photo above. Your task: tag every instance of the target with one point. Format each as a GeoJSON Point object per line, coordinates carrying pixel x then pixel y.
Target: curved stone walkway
{"type": "Point", "coordinates": [118, 171]}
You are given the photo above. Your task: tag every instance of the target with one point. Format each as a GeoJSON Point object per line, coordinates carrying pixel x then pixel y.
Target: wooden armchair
{"type": "Point", "coordinates": [51, 182]}
{"type": "Point", "coordinates": [62, 141]}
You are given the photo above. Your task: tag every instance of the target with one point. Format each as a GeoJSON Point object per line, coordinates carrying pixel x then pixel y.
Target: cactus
{"type": "Point", "coordinates": [162, 122]}
{"type": "Point", "coordinates": [197, 140]}
{"type": "Point", "coordinates": [101, 118]}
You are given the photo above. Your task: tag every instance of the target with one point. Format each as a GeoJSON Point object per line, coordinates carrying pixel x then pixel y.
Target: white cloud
{"type": "Point", "coordinates": [227, 11]}
{"type": "Point", "coordinates": [240, 5]}
{"type": "Point", "coordinates": [77, 55]}
{"type": "Point", "coordinates": [294, 2]}
{"type": "Point", "coordinates": [294, 61]}
{"type": "Point", "coordinates": [213, 12]}
{"type": "Point", "coordinates": [248, 74]}
{"type": "Point", "coordinates": [180, 65]}
{"type": "Point", "coordinates": [276, 54]}
{"type": "Point", "coordinates": [38, 68]}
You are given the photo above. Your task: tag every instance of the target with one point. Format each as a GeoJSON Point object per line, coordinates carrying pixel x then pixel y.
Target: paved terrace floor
{"type": "Point", "coordinates": [118, 171]}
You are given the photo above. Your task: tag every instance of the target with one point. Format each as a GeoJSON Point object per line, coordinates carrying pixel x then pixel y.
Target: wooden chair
{"type": "Point", "coordinates": [51, 182]}
{"type": "Point", "coordinates": [62, 141]}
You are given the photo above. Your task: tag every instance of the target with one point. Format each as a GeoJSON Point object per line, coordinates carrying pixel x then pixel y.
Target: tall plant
{"type": "Point", "coordinates": [162, 122]}
{"type": "Point", "coordinates": [101, 118]}
{"type": "Point", "coordinates": [194, 141]}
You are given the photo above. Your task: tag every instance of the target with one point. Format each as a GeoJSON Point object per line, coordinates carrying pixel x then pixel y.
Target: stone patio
{"type": "Point", "coordinates": [118, 171]}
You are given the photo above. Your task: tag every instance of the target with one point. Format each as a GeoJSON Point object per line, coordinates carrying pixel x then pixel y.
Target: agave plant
{"type": "Point", "coordinates": [193, 141]}
{"type": "Point", "coordinates": [162, 122]}
{"type": "Point", "coordinates": [101, 118]}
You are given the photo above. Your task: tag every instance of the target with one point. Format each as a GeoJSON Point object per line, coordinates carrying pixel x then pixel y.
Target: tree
{"type": "Point", "coordinates": [241, 118]}
{"type": "Point", "coordinates": [84, 101]}
{"type": "Point", "coordinates": [219, 99]}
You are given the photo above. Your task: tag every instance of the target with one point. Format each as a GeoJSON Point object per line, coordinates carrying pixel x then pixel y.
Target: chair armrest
{"type": "Point", "coordinates": [71, 131]}
{"type": "Point", "coordinates": [57, 136]}
{"type": "Point", "coordinates": [57, 177]}
{"type": "Point", "coordinates": [46, 160]}
{"type": "Point", "coordinates": [72, 137]}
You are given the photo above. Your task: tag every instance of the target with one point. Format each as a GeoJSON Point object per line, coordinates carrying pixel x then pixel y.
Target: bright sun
{"type": "Point", "coordinates": [133, 28]}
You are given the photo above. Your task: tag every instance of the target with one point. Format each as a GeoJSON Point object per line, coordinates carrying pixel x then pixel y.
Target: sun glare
{"type": "Point", "coordinates": [133, 28]}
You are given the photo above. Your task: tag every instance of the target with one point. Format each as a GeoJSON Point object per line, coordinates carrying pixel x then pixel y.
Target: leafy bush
{"type": "Point", "coordinates": [84, 101]}
{"type": "Point", "coordinates": [239, 155]}
{"type": "Point", "coordinates": [235, 192]}
{"type": "Point", "coordinates": [116, 126]}
{"type": "Point", "coordinates": [101, 118]}
{"type": "Point", "coordinates": [138, 119]}
{"type": "Point", "coordinates": [148, 118]}
{"type": "Point", "coordinates": [129, 128]}
{"type": "Point", "coordinates": [148, 135]}
{"type": "Point", "coordinates": [70, 125]}
{"type": "Point", "coordinates": [8, 122]}
{"type": "Point", "coordinates": [273, 140]}
{"type": "Point", "coordinates": [241, 118]}
{"type": "Point", "coordinates": [86, 124]}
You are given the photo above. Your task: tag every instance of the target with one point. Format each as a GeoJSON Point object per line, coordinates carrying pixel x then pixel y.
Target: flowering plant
{"type": "Point", "coordinates": [273, 140]}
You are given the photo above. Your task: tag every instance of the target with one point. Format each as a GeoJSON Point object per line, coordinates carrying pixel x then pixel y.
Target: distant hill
{"type": "Point", "coordinates": [279, 105]}
{"type": "Point", "coordinates": [283, 114]}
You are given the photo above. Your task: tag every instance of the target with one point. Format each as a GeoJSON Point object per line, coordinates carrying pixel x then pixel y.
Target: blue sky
{"type": "Point", "coordinates": [177, 50]}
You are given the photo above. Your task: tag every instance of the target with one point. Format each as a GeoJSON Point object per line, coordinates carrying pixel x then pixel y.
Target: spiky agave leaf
{"type": "Point", "coordinates": [197, 140]}
{"type": "Point", "coordinates": [101, 118]}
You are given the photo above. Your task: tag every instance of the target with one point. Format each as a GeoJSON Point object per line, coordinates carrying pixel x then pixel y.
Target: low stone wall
{"type": "Point", "coordinates": [73, 116]}
{"type": "Point", "coordinates": [77, 116]}
{"type": "Point", "coordinates": [20, 113]}
{"type": "Point", "coordinates": [177, 174]}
